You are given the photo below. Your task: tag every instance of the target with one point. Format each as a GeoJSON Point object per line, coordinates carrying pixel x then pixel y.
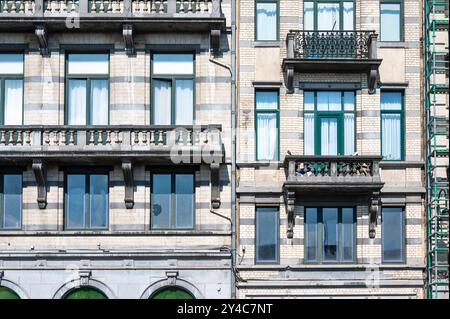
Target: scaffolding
{"type": "Point", "coordinates": [436, 81]}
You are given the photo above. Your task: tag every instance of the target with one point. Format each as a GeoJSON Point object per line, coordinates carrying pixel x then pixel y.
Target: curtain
{"type": "Point", "coordinates": [392, 233]}
{"type": "Point", "coordinates": [349, 133]}
{"type": "Point", "coordinates": [75, 201]}
{"type": "Point", "coordinates": [184, 201]}
{"type": "Point", "coordinates": [390, 21]}
{"type": "Point", "coordinates": [161, 200]}
{"type": "Point", "coordinates": [162, 102]}
{"type": "Point", "coordinates": [348, 15]}
{"type": "Point", "coordinates": [327, 16]}
{"type": "Point", "coordinates": [99, 102]}
{"type": "Point", "coordinates": [311, 234]}
{"type": "Point", "coordinates": [266, 233]}
{"type": "Point", "coordinates": [267, 136]}
{"type": "Point", "coordinates": [266, 21]}
{"type": "Point", "coordinates": [77, 102]}
{"type": "Point", "coordinates": [347, 234]}
{"type": "Point", "coordinates": [13, 102]}
{"type": "Point", "coordinates": [329, 101]}
{"type": "Point", "coordinates": [309, 134]}
{"type": "Point", "coordinates": [12, 201]}
{"type": "Point", "coordinates": [328, 132]}
{"type": "Point", "coordinates": [391, 136]}
{"type": "Point", "coordinates": [184, 108]}
{"type": "Point", "coordinates": [99, 202]}
{"type": "Point", "coordinates": [308, 16]}
{"type": "Point", "coordinates": [330, 233]}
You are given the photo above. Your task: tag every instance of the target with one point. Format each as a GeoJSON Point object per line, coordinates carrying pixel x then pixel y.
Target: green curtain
{"type": "Point", "coordinates": [6, 293]}
{"type": "Point", "coordinates": [85, 293]}
{"type": "Point", "coordinates": [172, 293]}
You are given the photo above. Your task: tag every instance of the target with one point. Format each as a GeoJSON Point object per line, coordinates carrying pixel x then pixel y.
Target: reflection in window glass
{"type": "Point", "coordinates": [266, 234]}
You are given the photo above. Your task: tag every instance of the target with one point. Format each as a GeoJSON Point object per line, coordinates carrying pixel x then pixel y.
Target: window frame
{"type": "Point", "coordinates": [88, 78]}
{"type": "Point", "coordinates": [2, 198]}
{"type": "Point", "coordinates": [341, 13]}
{"type": "Point", "coordinates": [319, 249]}
{"type": "Point", "coordinates": [277, 31]}
{"type": "Point", "coordinates": [87, 213]}
{"type": "Point", "coordinates": [4, 77]}
{"type": "Point", "coordinates": [402, 125]}
{"type": "Point", "coordinates": [403, 227]}
{"type": "Point", "coordinates": [267, 111]}
{"type": "Point", "coordinates": [401, 22]}
{"type": "Point", "coordinates": [277, 244]}
{"type": "Point", "coordinates": [172, 78]}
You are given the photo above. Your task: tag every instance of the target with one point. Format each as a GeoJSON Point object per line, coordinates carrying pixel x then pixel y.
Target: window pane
{"type": "Point", "coordinates": [173, 63]}
{"type": "Point", "coordinates": [329, 101]}
{"type": "Point", "coordinates": [308, 16]}
{"type": "Point", "coordinates": [11, 63]}
{"type": "Point", "coordinates": [349, 101]}
{"type": "Point", "coordinates": [266, 100]}
{"type": "Point", "coordinates": [267, 136]}
{"type": "Point", "coordinates": [330, 232]}
{"type": "Point", "coordinates": [98, 200]}
{"type": "Point", "coordinates": [99, 102]}
{"type": "Point", "coordinates": [347, 233]}
{"type": "Point", "coordinates": [266, 23]}
{"type": "Point", "coordinates": [329, 136]}
{"type": "Point", "coordinates": [162, 93]}
{"type": "Point", "coordinates": [348, 14]}
{"type": "Point", "coordinates": [161, 200]}
{"type": "Point", "coordinates": [77, 102]}
{"type": "Point", "coordinates": [390, 21]}
{"type": "Point", "coordinates": [85, 63]}
{"type": "Point", "coordinates": [328, 16]}
{"type": "Point", "coordinates": [311, 221]}
{"type": "Point", "coordinates": [12, 200]}
{"type": "Point", "coordinates": [184, 110]}
{"type": "Point", "coordinates": [392, 233]}
{"type": "Point", "coordinates": [349, 133]}
{"type": "Point", "coordinates": [391, 101]}
{"type": "Point", "coordinates": [75, 206]}
{"type": "Point", "coordinates": [267, 234]}
{"type": "Point", "coordinates": [184, 200]}
{"type": "Point", "coordinates": [13, 102]}
{"type": "Point", "coordinates": [309, 101]}
{"type": "Point", "coordinates": [309, 133]}
{"type": "Point", "coordinates": [391, 136]}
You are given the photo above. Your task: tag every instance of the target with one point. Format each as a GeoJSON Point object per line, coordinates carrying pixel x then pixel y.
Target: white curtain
{"type": "Point", "coordinates": [349, 133]}
{"type": "Point", "coordinates": [184, 110]}
{"type": "Point", "coordinates": [329, 101]}
{"type": "Point", "coordinates": [99, 102]}
{"type": "Point", "coordinates": [77, 102]}
{"type": "Point", "coordinates": [267, 136]}
{"type": "Point", "coordinates": [391, 136]}
{"type": "Point", "coordinates": [327, 16]}
{"type": "Point", "coordinates": [309, 134]}
{"type": "Point", "coordinates": [390, 22]}
{"type": "Point", "coordinates": [162, 102]}
{"type": "Point", "coordinates": [266, 21]}
{"type": "Point", "coordinates": [308, 16]}
{"type": "Point", "coordinates": [328, 127]}
{"type": "Point", "coordinates": [13, 102]}
{"type": "Point", "coordinates": [348, 16]}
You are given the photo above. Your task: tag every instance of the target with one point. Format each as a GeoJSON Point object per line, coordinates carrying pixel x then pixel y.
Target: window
{"type": "Point", "coordinates": [329, 122]}
{"type": "Point", "coordinates": [392, 234]}
{"type": "Point", "coordinates": [87, 92]}
{"type": "Point", "coordinates": [266, 20]}
{"type": "Point", "coordinates": [267, 123]}
{"type": "Point", "coordinates": [390, 20]}
{"type": "Point", "coordinates": [392, 125]}
{"type": "Point", "coordinates": [173, 89]}
{"type": "Point", "coordinates": [86, 292]}
{"type": "Point", "coordinates": [10, 201]}
{"type": "Point", "coordinates": [330, 235]}
{"type": "Point", "coordinates": [326, 15]}
{"type": "Point", "coordinates": [173, 200]}
{"type": "Point", "coordinates": [267, 234]}
{"type": "Point", "coordinates": [87, 201]}
{"type": "Point", "coordinates": [174, 292]}
{"type": "Point", "coordinates": [11, 89]}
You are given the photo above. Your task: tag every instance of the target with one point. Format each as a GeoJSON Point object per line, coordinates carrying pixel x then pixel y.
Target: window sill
{"type": "Point", "coordinates": [392, 44]}
{"type": "Point", "coordinates": [329, 266]}
{"type": "Point", "coordinates": [266, 44]}
{"type": "Point", "coordinates": [150, 233]}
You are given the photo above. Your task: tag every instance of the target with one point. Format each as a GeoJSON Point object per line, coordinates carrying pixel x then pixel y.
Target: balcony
{"type": "Point", "coordinates": [332, 52]}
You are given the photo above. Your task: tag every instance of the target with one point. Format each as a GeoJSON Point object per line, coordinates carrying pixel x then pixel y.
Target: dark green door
{"type": "Point", "coordinates": [172, 293]}
{"type": "Point", "coordinates": [85, 293]}
{"type": "Point", "coordinates": [6, 293]}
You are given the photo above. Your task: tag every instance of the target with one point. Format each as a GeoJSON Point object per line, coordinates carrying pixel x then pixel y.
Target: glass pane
{"type": "Point", "coordinates": [172, 293]}
{"type": "Point", "coordinates": [184, 109]}
{"type": "Point", "coordinates": [266, 21]}
{"type": "Point", "coordinates": [308, 16]}
{"type": "Point", "coordinates": [328, 16]}
{"type": "Point", "coordinates": [85, 293]}
{"type": "Point", "coordinates": [99, 102]}
{"type": "Point", "coordinates": [13, 102]}
{"type": "Point", "coordinates": [311, 220]}
{"type": "Point", "coordinates": [329, 101]}
{"type": "Point", "coordinates": [391, 101]}
{"type": "Point", "coordinates": [184, 200]}
{"type": "Point", "coordinates": [390, 21]}
{"type": "Point", "coordinates": [309, 101]}
{"type": "Point", "coordinates": [267, 234]}
{"type": "Point", "coordinates": [162, 97]}
{"type": "Point", "coordinates": [349, 133]}
{"type": "Point", "coordinates": [98, 192]}
{"type": "Point", "coordinates": [77, 102]}
{"type": "Point", "coordinates": [12, 200]}
{"type": "Point", "coordinates": [11, 63]}
{"type": "Point", "coordinates": [392, 233]}
{"type": "Point", "coordinates": [267, 136]}
{"type": "Point", "coordinates": [330, 232]}
{"type": "Point", "coordinates": [329, 136]}
{"type": "Point", "coordinates": [161, 201]}
{"type": "Point", "coordinates": [266, 100]}
{"type": "Point", "coordinates": [349, 101]}
{"type": "Point", "coordinates": [348, 15]}
{"type": "Point", "coordinates": [391, 136]}
{"type": "Point", "coordinates": [348, 234]}
{"type": "Point", "coordinates": [173, 63]}
{"type": "Point", "coordinates": [75, 201]}
{"type": "Point", "coordinates": [86, 63]}
{"type": "Point", "coordinates": [6, 293]}
{"type": "Point", "coordinates": [309, 133]}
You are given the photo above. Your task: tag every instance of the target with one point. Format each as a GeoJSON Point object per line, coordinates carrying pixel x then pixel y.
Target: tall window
{"type": "Point", "coordinates": [267, 234]}
{"type": "Point", "coordinates": [266, 113]}
{"type": "Point", "coordinates": [87, 201]}
{"type": "Point", "coordinates": [326, 15]}
{"type": "Point", "coordinates": [266, 20]}
{"type": "Point", "coordinates": [10, 201]}
{"type": "Point", "coordinates": [11, 89]}
{"type": "Point", "coordinates": [330, 235]}
{"type": "Point", "coordinates": [392, 125]}
{"type": "Point", "coordinates": [392, 234]}
{"type": "Point", "coordinates": [173, 201]}
{"type": "Point", "coordinates": [390, 20]}
{"type": "Point", "coordinates": [87, 92]}
{"type": "Point", "coordinates": [173, 89]}
{"type": "Point", "coordinates": [329, 122]}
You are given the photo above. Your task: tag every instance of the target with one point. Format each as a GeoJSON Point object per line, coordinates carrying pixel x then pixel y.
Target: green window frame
{"type": "Point", "coordinates": [320, 236]}
{"type": "Point", "coordinates": [277, 30]}
{"type": "Point", "coordinates": [401, 19]}
{"type": "Point", "coordinates": [315, 3]}
{"type": "Point", "coordinates": [395, 112]}
{"type": "Point", "coordinates": [388, 231]}
{"type": "Point", "coordinates": [10, 77]}
{"type": "Point", "coordinates": [172, 292]}
{"type": "Point", "coordinates": [172, 79]}
{"type": "Point", "coordinates": [262, 111]}
{"type": "Point", "coordinates": [259, 222]}
{"type": "Point", "coordinates": [88, 78]}
{"type": "Point", "coordinates": [4, 205]}
{"type": "Point", "coordinates": [87, 292]}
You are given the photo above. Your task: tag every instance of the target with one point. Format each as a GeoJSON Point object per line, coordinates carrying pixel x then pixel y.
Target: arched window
{"type": "Point", "coordinates": [85, 293]}
{"type": "Point", "coordinates": [172, 293]}
{"type": "Point", "coordinates": [6, 293]}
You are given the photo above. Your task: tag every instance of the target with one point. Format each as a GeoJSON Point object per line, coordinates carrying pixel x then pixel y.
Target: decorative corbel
{"type": "Point", "coordinates": [215, 39]}
{"type": "Point", "coordinates": [290, 79]}
{"type": "Point", "coordinates": [172, 277]}
{"type": "Point", "coordinates": [127, 169]}
{"type": "Point", "coordinates": [128, 39]}
{"type": "Point", "coordinates": [40, 173]}
{"type": "Point", "coordinates": [215, 187]}
{"type": "Point", "coordinates": [2, 274]}
{"type": "Point", "coordinates": [372, 79]}
{"type": "Point", "coordinates": [373, 213]}
{"type": "Point", "coordinates": [85, 275]}
{"type": "Point", "coordinates": [290, 208]}
{"type": "Point", "coordinates": [42, 36]}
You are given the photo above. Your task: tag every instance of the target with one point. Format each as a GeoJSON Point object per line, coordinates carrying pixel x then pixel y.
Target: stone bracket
{"type": "Point", "coordinates": [372, 80]}
{"type": "Point", "coordinates": [215, 39]}
{"type": "Point", "coordinates": [127, 169]}
{"type": "Point", "coordinates": [42, 36]}
{"type": "Point", "coordinates": [374, 209]}
{"type": "Point", "coordinates": [172, 277]}
{"type": "Point", "coordinates": [215, 185]}
{"type": "Point", "coordinates": [84, 277]}
{"type": "Point", "coordinates": [40, 173]}
{"type": "Point", "coordinates": [290, 79]}
{"type": "Point", "coordinates": [290, 208]}
{"type": "Point", "coordinates": [127, 33]}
